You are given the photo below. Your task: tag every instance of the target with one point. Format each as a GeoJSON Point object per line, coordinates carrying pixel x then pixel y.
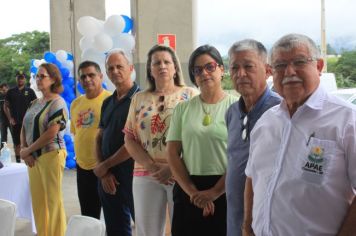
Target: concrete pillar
{"type": "Point", "coordinates": [152, 17]}
{"type": "Point", "coordinates": [64, 16]}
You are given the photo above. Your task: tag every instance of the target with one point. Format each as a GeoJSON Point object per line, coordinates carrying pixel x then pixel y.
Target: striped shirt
{"type": "Point", "coordinates": [39, 117]}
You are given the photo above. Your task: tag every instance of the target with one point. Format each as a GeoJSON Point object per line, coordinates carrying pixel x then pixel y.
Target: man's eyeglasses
{"type": "Point", "coordinates": [298, 63]}
{"type": "Point", "coordinates": [90, 75]}
{"type": "Point", "coordinates": [209, 67]}
{"type": "Point", "coordinates": [161, 100]}
{"type": "Point", "coordinates": [41, 76]}
{"type": "Point", "coordinates": [244, 128]}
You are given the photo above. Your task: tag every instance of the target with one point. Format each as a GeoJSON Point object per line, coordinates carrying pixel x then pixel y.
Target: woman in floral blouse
{"type": "Point", "coordinates": [146, 130]}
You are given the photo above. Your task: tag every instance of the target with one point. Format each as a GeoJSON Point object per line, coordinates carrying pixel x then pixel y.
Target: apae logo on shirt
{"type": "Point", "coordinates": [315, 160]}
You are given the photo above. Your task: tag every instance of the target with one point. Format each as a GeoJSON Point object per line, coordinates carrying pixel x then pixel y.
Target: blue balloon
{"type": "Point", "coordinates": [70, 147]}
{"type": "Point", "coordinates": [66, 90]}
{"type": "Point", "coordinates": [49, 57]}
{"type": "Point", "coordinates": [70, 155]}
{"type": "Point", "coordinates": [80, 88]}
{"type": "Point", "coordinates": [67, 138]}
{"type": "Point", "coordinates": [68, 81]}
{"type": "Point", "coordinates": [57, 63]}
{"type": "Point", "coordinates": [105, 86]}
{"type": "Point", "coordinates": [33, 69]}
{"type": "Point", "coordinates": [69, 57]}
{"type": "Point", "coordinates": [128, 24]}
{"type": "Point", "coordinates": [68, 97]}
{"type": "Point", "coordinates": [71, 164]}
{"type": "Point", "coordinates": [64, 72]}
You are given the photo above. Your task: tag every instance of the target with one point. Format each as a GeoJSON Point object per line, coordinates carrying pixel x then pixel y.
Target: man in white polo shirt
{"type": "Point", "coordinates": [301, 171]}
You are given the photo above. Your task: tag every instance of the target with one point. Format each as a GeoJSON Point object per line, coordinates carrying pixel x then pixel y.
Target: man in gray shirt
{"type": "Point", "coordinates": [249, 71]}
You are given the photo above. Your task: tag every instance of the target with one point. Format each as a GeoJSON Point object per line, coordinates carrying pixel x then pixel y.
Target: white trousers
{"type": "Point", "coordinates": [151, 200]}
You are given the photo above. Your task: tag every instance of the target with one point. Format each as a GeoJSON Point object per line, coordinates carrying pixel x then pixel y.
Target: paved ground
{"type": "Point", "coordinates": [71, 203]}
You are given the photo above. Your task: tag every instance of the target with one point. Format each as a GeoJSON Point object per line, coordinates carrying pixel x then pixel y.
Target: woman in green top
{"type": "Point", "coordinates": [197, 141]}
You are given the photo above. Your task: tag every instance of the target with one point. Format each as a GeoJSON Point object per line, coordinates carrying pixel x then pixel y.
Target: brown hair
{"type": "Point", "coordinates": [54, 74]}
{"type": "Point", "coordinates": [178, 79]}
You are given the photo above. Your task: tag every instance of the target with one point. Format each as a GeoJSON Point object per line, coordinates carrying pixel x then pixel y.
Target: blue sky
{"type": "Point", "coordinates": [220, 23]}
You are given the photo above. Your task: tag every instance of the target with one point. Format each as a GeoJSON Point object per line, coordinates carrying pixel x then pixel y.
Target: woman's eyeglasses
{"type": "Point", "coordinates": [41, 76]}
{"type": "Point", "coordinates": [209, 67]}
{"type": "Point", "coordinates": [161, 100]}
{"type": "Point", "coordinates": [244, 128]}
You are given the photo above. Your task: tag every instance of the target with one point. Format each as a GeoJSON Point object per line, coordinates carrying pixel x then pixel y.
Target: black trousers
{"type": "Point", "coordinates": [4, 127]}
{"type": "Point", "coordinates": [188, 220]}
{"type": "Point", "coordinates": [89, 201]}
{"type": "Point", "coordinates": [119, 208]}
{"type": "Point", "coordinates": [16, 133]}
{"type": "Point", "coordinates": [117, 213]}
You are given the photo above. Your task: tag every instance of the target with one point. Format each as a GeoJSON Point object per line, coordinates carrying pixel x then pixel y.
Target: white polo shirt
{"type": "Point", "coordinates": [303, 169]}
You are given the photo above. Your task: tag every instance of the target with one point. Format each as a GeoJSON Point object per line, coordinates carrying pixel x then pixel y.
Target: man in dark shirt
{"type": "Point", "coordinates": [4, 122]}
{"type": "Point", "coordinates": [17, 100]}
{"type": "Point", "coordinates": [115, 168]}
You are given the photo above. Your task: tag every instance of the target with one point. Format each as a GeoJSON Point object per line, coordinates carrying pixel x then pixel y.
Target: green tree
{"type": "Point", "coordinates": [345, 69]}
{"type": "Point", "coordinates": [226, 81]}
{"type": "Point", "coordinates": [17, 51]}
{"type": "Point", "coordinates": [330, 50]}
{"type": "Point", "coordinates": [332, 63]}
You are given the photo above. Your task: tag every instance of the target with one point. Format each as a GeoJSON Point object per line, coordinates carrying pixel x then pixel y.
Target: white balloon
{"type": "Point", "coordinates": [33, 85]}
{"type": "Point", "coordinates": [32, 78]}
{"type": "Point", "coordinates": [101, 23]}
{"type": "Point", "coordinates": [110, 86]}
{"type": "Point", "coordinates": [37, 63]}
{"type": "Point", "coordinates": [102, 42]}
{"type": "Point", "coordinates": [114, 25]}
{"type": "Point", "coordinates": [86, 42]}
{"type": "Point", "coordinates": [102, 67]}
{"type": "Point", "coordinates": [61, 55]}
{"type": "Point", "coordinates": [68, 64]}
{"type": "Point", "coordinates": [89, 26]}
{"type": "Point", "coordinates": [71, 73]}
{"type": "Point", "coordinates": [124, 41]}
{"type": "Point", "coordinates": [92, 55]}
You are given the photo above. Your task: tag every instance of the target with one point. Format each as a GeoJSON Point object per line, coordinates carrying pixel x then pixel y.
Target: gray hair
{"type": "Point", "coordinates": [121, 51]}
{"type": "Point", "coordinates": [290, 41]}
{"type": "Point", "coordinates": [249, 45]}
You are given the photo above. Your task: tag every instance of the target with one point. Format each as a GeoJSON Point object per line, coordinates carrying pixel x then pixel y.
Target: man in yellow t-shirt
{"type": "Point", "coordinates": [85, 115]}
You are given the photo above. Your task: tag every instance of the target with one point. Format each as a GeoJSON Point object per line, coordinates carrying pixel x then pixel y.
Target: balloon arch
{"type": "Point", "coordinates": [99, 37]}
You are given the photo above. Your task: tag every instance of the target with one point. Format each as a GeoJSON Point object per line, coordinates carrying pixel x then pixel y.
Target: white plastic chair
{"type": "Point", "coordinates": [8, 218]}
{"type": "Point", "coordinates": [79, 225]}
